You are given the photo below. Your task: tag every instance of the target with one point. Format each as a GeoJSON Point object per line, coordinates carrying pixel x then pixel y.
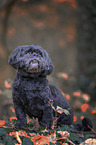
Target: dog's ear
{"type": "Point", "coordinates": [13, 59]}
{"type": "Point", "coordinates": [49, 65]}
{"type": "Point", "coordinates": [50, 68]}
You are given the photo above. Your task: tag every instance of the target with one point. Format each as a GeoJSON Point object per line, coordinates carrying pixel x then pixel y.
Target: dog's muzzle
{"type": "Point", "coordinates": [34, 66]}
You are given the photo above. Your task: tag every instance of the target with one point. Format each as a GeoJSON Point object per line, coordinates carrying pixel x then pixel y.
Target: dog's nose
{"type": "Point", "coordinates": [34, 65]}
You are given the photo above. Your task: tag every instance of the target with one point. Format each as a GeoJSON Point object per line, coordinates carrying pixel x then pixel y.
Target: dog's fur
{"type": "Point", "coordinates": [31, 89]}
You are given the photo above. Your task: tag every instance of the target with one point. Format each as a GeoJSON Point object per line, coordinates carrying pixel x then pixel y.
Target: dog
{"type": "Point", "coordinates": [31, 90]}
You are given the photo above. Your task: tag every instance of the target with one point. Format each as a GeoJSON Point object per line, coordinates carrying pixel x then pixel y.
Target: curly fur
{"type": "Point", "coordinates": [31, 90]}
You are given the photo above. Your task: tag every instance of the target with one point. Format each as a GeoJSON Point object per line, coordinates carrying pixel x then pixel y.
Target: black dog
{"type": "Point", "coordinates": [31, 90]}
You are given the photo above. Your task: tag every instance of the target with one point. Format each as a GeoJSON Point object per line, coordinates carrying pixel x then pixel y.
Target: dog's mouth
{"type": "Point", "coordinates": [34, 66]}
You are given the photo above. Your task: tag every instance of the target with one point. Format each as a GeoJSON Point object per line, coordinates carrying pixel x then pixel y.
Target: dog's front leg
{"type": "Point", "coordinates": [21, 122]}
{"type": "Point", "coordinates": [47, 117]}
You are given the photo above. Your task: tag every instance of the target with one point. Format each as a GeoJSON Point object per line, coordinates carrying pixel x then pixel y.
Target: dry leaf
{"type": "Point", "coordinates": [64, 133]}
{"type": "Point", "coordinates": [45, 130]}
{"type": "Point", "coordinates": [61, 110]}
{"type": "Point", "coordinates": [40, 140]}
{"type": "Point", "coordinates": [52, 137]}
{"type": "Point", "coordinates": [17, 137]}
{"type": "Point", "coordinates": [62, 75]}
{"type": "Point", "coordinates": [90, 141]}
{"type": "Point", "coordinates": [2, 122]}
{"type": "Point", "coordinates": [7, 84]}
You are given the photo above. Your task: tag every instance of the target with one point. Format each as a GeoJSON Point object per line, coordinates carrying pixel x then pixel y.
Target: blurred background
{"type": "Point", "coordinates": [66, 29]}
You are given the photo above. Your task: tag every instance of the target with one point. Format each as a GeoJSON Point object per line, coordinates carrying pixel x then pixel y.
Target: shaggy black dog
{"type": "Point", "coordinates": [31, 89]}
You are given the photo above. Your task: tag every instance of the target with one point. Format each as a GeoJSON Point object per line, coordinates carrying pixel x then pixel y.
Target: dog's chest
{"type": "Point", "coordinates": [30, 84]}
{"type": "Point", "coordinates": [32, 91]}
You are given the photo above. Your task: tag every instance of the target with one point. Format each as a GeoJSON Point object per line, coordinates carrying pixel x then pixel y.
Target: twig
{"type": "Point", "coordinates": [84, 132]}
{"type": "Point", "coordinates": [68, 140]}
{"type": "Point", "coordinates": [92, 129]}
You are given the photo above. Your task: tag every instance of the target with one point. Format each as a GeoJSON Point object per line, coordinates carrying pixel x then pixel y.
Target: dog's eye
{"type": "Point", "coordinates": [34, 54]}
{"type": "Point", "coordinates": [30, 51]}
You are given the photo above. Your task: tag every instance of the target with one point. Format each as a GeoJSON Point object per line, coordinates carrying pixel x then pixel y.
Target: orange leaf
{"type": "Point", "coordinates": [75, 119]}
{"type": "Point", "coordinates": [85, 97]}
{"type": "Point", "coordinates": [63, 75]}
{"type": "Point", "coordinates": [93, 112]}
{"type": "Point", "coordinates": [17, 137]}
{"type": "Point", "coordinates": [62, 93]}
{"type": "Point", "coordinates": [13, 118]}
{"type": "Point", "coordinates": [82, 117]}
{"type": "Point", "coordinates": [78, 94]}
{"type": "Point", "coordinates": [40, 140]}
{"type": "Point", "coordinates": [12, 109]}
{"type": "Point", "coordinates": [84, 107]}
{"type": "Point", "coordinates": [11, 123]}
{"type": "Point", "coordinates": [67, 96]}
{"type": "Point", "coordinates": [37, 137]}
{"type": "Point", "coordinates": [32, 134]}
{"type": "Point", "coordinates": [7, 85]}
{"type": "Point", "coordinates": [2, 122]}
{"type": "Point", "coordinates": [23, 133]}
{"type": "Point", "coordinates": [20, 133]}
{"type": "Point", "coordinates": [11, 133]}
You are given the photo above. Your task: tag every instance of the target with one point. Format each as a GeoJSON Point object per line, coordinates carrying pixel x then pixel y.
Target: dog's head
{"type": "Point", "coordinates": [31, 61]}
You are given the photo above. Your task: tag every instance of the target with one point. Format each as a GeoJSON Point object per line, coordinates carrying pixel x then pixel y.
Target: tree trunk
{"type": "Point", "coordinates": [86, 46]}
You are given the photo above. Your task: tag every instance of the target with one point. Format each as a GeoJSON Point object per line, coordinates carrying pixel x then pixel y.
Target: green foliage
{"type": "Point", "coordinates": [4, 139]}
{"type": "Point", "coordinates": [27, 141]}
{"type": "Point", "coordinates": [74, 136]}
{"type": "Point", "coordinates": [84, 143]}
{"type": "Point", "coordinates": [50, 143]}
{"type": "Point", "coordinates": [8, 120]}
{"type": "Point", "coordinates": [8, 93]}
{"type": "Point", "coordinates": [58, 143]}
{"type": "Point", "coordinates": [8, 141]}
{"type": "Point", "coordinates": [3, 135]}
{"type": "Point", "coordinates": [34, 127]}
{"type": "Point", "coordinates": [67, 128]}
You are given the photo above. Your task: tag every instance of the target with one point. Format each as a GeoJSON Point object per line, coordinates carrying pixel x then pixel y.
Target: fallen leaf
{"type": "Point", "coordinates": [17, 137]}
{"type": "Point", "coordinates": [12, 109]}
{"type": "Point", "coordinates": [93, 112]}
{"type": "Point", "coordinates": [40, 140]}
{"type": "Point", "coordinates": [90, 141]}
{"type": "Point", "coordinates": [75, 118]}
{"type": "Point", "coordinates": [64, 133]}
{"type": "Point", "coordinates": [86, 97]}
{"type": "Point", "coordinates": [7, 85]}
{"type": "Point", "coordinates": [84, 107]}
{"type": "Point", "coordinates": [62, 75]}
{"type": "Point", "coordinates": [2, 122]}
{"type": "Point", "coordinates": [78, 94]}
{"type": "Point", "coordinates": [61, 110]}
{"type": "Point", "coordinates": [45, 130]}
{"type": "Point", "coordinates": [52, 137]}
{"type": "Point", "coordinates": [13, 118]}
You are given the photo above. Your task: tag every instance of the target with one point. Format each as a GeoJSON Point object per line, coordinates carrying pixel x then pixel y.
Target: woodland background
{"type": "Point", "coordinates": [66, 29]}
